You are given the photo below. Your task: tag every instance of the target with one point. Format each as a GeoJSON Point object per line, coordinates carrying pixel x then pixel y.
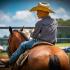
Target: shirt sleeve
{"type": "Point", "coordinates": [37, 30]}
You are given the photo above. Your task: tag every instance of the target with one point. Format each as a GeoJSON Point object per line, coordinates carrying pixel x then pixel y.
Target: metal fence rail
{"type": "Point", "coordinates": [17, 27]}
{"type": "Point", "coordinates": [31, 27]}
{"type": "Point", "coordinates": [62, 36]}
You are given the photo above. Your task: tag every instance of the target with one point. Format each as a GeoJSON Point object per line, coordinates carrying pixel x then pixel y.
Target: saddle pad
{"type": "Point", "coordinates": [42, 43]}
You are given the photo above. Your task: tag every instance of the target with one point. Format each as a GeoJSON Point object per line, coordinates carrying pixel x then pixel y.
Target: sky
{"type": "Point", "coordinates": [16, 12]}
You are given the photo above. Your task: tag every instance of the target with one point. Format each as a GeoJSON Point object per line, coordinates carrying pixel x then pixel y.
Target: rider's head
{"type": "Point", "coordinates": [42, 9]}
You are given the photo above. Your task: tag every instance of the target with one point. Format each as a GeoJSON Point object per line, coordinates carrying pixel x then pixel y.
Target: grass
{"type": "Point", "coordinates": [3, 55]}
{"type": "Point", "coordinates": [63, 44]}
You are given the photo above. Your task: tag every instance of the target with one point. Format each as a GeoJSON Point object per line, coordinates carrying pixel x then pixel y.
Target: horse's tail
{"type": "Point", "coordinates": [54, 63]}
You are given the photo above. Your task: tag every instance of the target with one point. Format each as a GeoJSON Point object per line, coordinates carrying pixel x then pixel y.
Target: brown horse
{"type": "Point", "coordinates": [43, 56]}
{"type": "Point", "coordinates": [15, 38]}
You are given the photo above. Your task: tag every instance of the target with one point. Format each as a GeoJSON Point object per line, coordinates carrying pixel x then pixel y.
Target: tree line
{"type": "Point", "coordinates": [62, 22]}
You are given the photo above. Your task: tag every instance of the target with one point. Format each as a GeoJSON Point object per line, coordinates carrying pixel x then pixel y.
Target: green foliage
{"type": "Point", "coordinates": [3, 41]}
{"type": "Point", "coordinates": [62, 22]}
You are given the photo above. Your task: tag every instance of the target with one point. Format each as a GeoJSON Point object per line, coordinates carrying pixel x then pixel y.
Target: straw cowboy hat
{"type": "Point", "coordinates": [43, 7]}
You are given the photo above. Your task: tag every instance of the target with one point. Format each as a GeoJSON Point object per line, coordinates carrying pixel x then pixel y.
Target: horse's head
{"type": "Point", "coordinates": [15, 38]}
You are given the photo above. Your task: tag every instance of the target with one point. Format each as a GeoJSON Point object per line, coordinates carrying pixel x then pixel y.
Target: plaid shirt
{"type": "Point", "coordinates": [45, 30]}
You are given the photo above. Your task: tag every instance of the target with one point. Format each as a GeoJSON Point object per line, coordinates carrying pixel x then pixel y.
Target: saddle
{"type": "Point", "coordinates": [42, 43]}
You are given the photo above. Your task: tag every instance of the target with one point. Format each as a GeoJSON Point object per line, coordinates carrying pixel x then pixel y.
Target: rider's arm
{"type": "Point", "coordinates": [37, 30]}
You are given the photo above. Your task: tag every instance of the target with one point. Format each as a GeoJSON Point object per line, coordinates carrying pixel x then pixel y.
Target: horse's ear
{"type": "Point", "coordinates": [10, 30]}
{"type": "Point", "coordinates": [22, 29]}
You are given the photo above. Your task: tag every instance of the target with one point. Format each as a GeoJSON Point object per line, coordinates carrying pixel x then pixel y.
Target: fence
{"type": "Point", "coordinates": [62, 36]}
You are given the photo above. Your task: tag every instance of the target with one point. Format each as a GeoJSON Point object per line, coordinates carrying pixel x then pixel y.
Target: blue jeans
{"type": "Point", "coordinates": [22, 48]}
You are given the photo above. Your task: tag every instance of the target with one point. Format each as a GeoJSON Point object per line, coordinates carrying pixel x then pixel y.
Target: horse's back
{"type": "Point", "coordinates": [39, 56]}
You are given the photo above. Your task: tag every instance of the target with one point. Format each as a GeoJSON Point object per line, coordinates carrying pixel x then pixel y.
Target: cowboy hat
{"type": "Point", "coordinates": [42, 7]}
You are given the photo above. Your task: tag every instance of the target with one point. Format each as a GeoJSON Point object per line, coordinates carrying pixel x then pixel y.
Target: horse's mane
{"type": "Point", "coordinates": [22, 34]}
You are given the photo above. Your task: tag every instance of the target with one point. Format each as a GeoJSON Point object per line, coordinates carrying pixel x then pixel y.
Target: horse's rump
{"type": "Point", "coordinates": [24, 55]}
{"type": "Point", "coordinates": [42, 53]}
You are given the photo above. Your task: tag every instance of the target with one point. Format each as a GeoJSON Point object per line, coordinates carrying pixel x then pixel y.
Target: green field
{"type": "Point", "coordinates": [63, 44]}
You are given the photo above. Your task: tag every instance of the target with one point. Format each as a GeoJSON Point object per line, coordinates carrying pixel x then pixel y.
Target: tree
{"type": "Point", "coordinates": [62, 22]}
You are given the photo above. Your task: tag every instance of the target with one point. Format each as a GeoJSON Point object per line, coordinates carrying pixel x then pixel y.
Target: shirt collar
{"type": "Point", "coordinates": [47, 17]}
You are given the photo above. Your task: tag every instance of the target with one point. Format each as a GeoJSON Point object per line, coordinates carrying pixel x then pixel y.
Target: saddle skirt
{"type": "Point", "coordinates": [22, 58]}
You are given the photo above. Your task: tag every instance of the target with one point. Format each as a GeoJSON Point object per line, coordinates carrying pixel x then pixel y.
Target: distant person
{"type": "Point", "coordinates": [1, 47]}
